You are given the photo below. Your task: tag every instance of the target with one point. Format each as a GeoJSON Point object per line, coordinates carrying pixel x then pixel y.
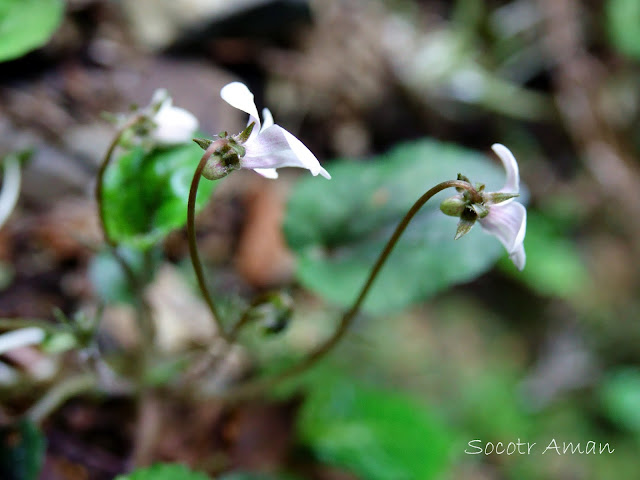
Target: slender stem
{"type": "Point", "coordinates": [239, 325]}
{"type": "Point", "coordinates": [143, 318]}
{"type": "Point", "coordinates": [150, 415]}
{"type": "Point", "coordinates": [262, 384]}
{"type": "Point", "coordinates": [101, 172]}
{"type": "Point", "coordinates": [191, 234]}
{"type": "Point", "coordinates": [13, 323]}
{"type": "Point", "coordinates": [59, 394]}
{"type": "Point", "coordinates": [217, 351]}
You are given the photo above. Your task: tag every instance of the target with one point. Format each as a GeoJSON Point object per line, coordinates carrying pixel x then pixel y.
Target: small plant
{"type": "Point", "coordinates": [149, 183]}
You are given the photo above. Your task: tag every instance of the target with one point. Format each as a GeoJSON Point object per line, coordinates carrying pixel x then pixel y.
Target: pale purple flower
{"type": "Point", "coordinates": [497, 212]}
{"type": "Point", "coordinates": [507, 220]}
{"type": "Point", "coordinates": [269, 146]}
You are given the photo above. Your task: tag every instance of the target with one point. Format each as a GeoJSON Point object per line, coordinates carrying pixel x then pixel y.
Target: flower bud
{"type": "Point", "coordinates": [453, 206]}
{"type": "Point", "coordinates": [273, 312]}
{"type": "Point", "coordinates": [216, 168]}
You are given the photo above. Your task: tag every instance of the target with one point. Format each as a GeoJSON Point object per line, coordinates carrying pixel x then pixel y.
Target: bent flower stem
{"type": "Point", "coordinates": [499, 215]}
{"type": "Point", "coordinates": [262, 384]}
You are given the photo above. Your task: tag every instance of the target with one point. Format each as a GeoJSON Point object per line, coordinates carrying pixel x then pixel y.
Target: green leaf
{"type": "Point", "coordinates": [164, 472]}
{"type": "Point", "coordinates": [620, 398]}
{"type": "Point", "coordinates": [375, 434]}
{"type": "Point", "coordinates": [337, 229]}
{"type": "Point", "coordinates": [22, 449]}
{"type": "Point", "coordinates": [26, 25]}
{"type": "Point", "coordinates": [109, 279]}
{"type": "Point", "coordinates": [146, 194]}
{"type": "Point", "coordinates": [623, 24]}
{"type": "Point", "coordinates": [554, 266]}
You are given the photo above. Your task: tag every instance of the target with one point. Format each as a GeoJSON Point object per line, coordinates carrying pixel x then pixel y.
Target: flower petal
{"type": "Point", "coordinates": [159, 98]}
{"type": "Point", "coordinates": [239, 96]}
{"type": "Point", "coordinates": [512, 185]}
{"type": "Point", "coordinates": [307, 158]}
{"type": "Point", "coordinates": [173, 124]}
{"type": "Point", "coordinates": [518, 257]}
{"type": "Point", "coordinates": [508, 223]}
{"type": "Point", "coordinates": [267, 172]}
{"type": "Point", "coordinates": [276, 148]}
{"type": "Point", "coordinates": [20, 337]}
{"type": "Point", "coordinates": [267, 118]}
{"type": "Point", "coordinates": [10, 187]}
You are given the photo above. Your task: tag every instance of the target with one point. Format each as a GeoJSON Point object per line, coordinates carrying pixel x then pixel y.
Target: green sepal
{"type": "Point", "coordinates": [498, 197]}
{"type": "Point", "coordinates": [239, 150]}
{"type": "Point", "coordinates": [246, 133]}
{"type": "Point", "coordinates": [480, 210]}
{"type": "Point", "coordinates": [462, 178]}
{"type": "Point", "coordinates": [467, 219]}
{"type": "Point", "coordinates": [203, 143]}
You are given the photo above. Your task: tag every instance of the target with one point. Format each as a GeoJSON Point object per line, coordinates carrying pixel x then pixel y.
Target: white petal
{"type": "Point", "coordinates": [160, 97]}
{"type": "Point", "coordinates": [518, 257]}
{"type": "Point", "coordinates": [512, 185]}
{"type": "Point", "coordinates": [174, 125]}
{"type": "Point", "coordinates": [307, 158]}
{"type": "Point", "coordinates": [267, 118]}
{"type": "Point", "coordinates": [10, 187]}
{"type": "Point", "coordinates": [508, 222]}
{"type": "Point", "coordinates": [276, 148]}
{"type": "Point", "coordinates": [267, 172]}
{"type": "Point", "coordinates": [239, 96]}
{"type": "Point", "coordinates": [20, 338]}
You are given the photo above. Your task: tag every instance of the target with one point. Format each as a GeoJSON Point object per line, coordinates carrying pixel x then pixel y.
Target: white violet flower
{"type": "Point", "coordinates": [497, 212]}
{"type": "Point", "coordinates": [171, 125]}
{"type": "Point", "coordinates": [262, 147]}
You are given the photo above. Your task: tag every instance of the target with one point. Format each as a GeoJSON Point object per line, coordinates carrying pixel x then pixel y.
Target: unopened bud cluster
{"type": "Point", "coordinates": [472, 204]}
{"type": "Point", "coordinates": [227, 157]}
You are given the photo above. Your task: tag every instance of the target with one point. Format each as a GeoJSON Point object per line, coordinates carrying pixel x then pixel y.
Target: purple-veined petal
{"type": "Point", "coordinates": [173, 125]}
{"type": "Point", "coordinates": [512, 184]}
{"type": "Point", "coordinates": [276, 148]}
{"type": "Point", "coordinates": [267, 172]}
{"type": "Point", "coordinates": [239, 96]}
{"type": "Point", "coordinates": [508, 223]}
